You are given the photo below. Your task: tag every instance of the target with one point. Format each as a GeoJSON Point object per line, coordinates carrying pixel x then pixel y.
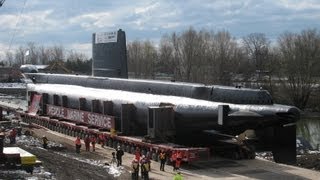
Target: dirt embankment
{"type": "Point", "coordinates": [61, 162]}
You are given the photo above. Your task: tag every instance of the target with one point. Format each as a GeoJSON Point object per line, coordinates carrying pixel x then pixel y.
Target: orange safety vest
{"type": "Point", "coordinates": [162, 156]}
{"type": "Point", "coordinates": [174, 157]}
{"type": "Point", "coordinates": [179, 155]}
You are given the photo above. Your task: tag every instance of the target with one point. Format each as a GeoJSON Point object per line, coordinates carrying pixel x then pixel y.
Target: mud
{"type": "Point", "coordinates": [63, 163]}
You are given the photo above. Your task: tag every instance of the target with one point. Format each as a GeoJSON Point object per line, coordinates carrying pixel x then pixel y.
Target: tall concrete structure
{"type": "Point", "coordinates": [109, 54]}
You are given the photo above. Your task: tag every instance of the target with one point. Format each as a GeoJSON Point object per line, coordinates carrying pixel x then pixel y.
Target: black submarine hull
{"type": "Point", "coordinates": [197, 107]}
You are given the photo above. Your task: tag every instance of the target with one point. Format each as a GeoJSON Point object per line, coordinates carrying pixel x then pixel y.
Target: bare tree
{"type": "Point", "coordinates": [224, 57]}
{"type": "Point", "coordinates": [257, 48]}
{"type": "Point", "coordinates": [134, 57]}
{"type": "Point", "coordinates": [149, 59]}
{"type": "Point", "coordinates": [33, 53]}
{"type": "Point", "coordinates": [187, 54]}
{"type": "Point", "coordinates": [56, 53]}
{"type": "Point", "coordinates": [44, 55]}
{"type": "Point", "coordinates": [10, 58]}
{"type": "Point", "coordinates": [300, 64]}
{"type": "Point", "coordinates": [166, 64]}
{"type": "Point", "coordinates": [20, 56]}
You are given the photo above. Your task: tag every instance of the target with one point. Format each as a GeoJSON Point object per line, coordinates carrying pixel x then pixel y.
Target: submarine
{"type": "Point", "coordinates": [198, 109]}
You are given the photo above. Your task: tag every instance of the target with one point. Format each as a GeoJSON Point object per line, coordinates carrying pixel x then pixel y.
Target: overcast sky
{"type": "Point", "coordinates": [71, 22]}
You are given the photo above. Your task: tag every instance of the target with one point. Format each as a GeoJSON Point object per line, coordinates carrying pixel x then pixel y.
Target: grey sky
{"type": "Point", "coordinates": [71, 22]}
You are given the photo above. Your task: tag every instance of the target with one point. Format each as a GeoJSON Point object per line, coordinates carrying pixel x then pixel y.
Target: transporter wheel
{"type": "Point", "coordinates": [66, 130]}
{"type": "Point", "coordinates": [83, 135]}
{"type": "Point", "coordinates": [154, 156]}
{"type": "Point", "coordinates": [143, 151]}
{"type": "Point", "coordinates": [110, 143]}
{"type": "Point", "coordinates": [114, 144]}
{"type": "Point", "coordinates": [128, 148]}
{"type": "Point", "coordinates": [132, 149]}
{"type": "Point", "coordinates": [63, 130]}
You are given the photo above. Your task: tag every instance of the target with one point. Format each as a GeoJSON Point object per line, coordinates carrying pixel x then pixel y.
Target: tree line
{"type": "Point", "coordinates": [48, 55]}
{"type": "Point", "coordinates": [288, 67]}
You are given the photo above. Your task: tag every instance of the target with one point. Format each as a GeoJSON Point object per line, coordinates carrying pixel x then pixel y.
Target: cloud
{"type": "Point", "coordinates": [91, 20]}
{"type": "Point", "coordinates": [29, 23]}
{"type": "Point", "coordinates": [146, 9]}
{"type": "Point", "coordinates": [85, 48]}
{"type": "Point", "coordinates": [300, 4]}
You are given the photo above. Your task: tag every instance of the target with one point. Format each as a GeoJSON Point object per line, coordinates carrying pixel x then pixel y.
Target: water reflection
{"type": "Point", "coordinates": [310, 130]}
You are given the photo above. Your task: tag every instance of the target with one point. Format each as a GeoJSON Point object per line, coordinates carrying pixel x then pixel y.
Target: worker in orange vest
{"type": "Point", "coordinates": [102, 140]}
{"type": "Point", "coordinates": [87, 141]}
{"type": "Point", "coordinates": [179, 159]}
{"type": "Point", "coordinates": [163, 158]}
{"type": "Point", "coordinates": [93, 142]}
{"type": "Point", "coordinates": [12, 136]}
{"type": "Point", "coordinates": [78, 144]}
{"type": "Point", "coordinates": [137, 154]}
{"type": "Point", "coordinates": [173, 159]}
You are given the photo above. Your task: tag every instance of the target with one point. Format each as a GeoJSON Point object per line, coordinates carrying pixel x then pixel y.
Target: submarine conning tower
{"type": "Point", "coordinates": [215, 93]}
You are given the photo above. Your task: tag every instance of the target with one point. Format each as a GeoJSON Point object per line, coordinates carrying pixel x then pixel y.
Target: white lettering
{"type": "Point", "coordinates": [81, 116]}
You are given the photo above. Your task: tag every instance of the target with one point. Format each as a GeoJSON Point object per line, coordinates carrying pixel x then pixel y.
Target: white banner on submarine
{"type": "Point", "coordinates": [106, 37]}
{"type": "Point", "coordinates": [86, 117]}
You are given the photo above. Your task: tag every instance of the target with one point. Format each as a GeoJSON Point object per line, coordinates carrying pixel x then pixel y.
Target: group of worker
{"type": "Point", "coordinates": [141, 161]}
{"type": "Point", "coordinates": [89, 140]}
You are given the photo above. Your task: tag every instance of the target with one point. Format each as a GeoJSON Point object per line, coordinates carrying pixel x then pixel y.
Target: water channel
{"type": "Point", "coordinates": [309, 128]}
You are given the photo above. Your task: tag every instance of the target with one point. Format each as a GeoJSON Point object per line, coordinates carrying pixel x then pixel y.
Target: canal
{"type": "Point", "coordinates": [309, 128]}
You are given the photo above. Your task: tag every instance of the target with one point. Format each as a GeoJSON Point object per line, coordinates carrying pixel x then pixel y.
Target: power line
{"type": "Point", "coordinates": [1, 2]}
{"type": "Point", "coordinates": [16, 26]}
